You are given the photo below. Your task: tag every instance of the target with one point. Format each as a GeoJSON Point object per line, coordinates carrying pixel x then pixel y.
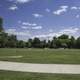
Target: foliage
{"type": "Point", "coordinates": [63, 41]}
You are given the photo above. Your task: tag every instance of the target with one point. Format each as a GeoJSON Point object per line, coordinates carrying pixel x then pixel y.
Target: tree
{"type": "Point", "coordinates": [48, 44]}
{"type": "Point", "coordinates": [29, 43]}
{"type": "Point", "coordinates": [3, 39]}
{"type": "Point", "coordinates": [54, 42]}
{"type": "Point", "coordinates": [63, 41]}
{"type": "Point", "coordinates": [21, 44]}
{"type": "Point", "coordinates": [64, 36]}
{"type": "Point", "coordinates": [43, 44]}
{"type": "Point", "coordinates": [1, 25]}
{"type": "Point", "coordinates": [12, 41]}
{"type": "Point", "coordinates": [72, 42]}
{"type": "Point", "coordinates": [78, 42]}
{"type": "Point", "coordinates": [64, 45]}
{"type": "Point", "coordinates": [36, 43]}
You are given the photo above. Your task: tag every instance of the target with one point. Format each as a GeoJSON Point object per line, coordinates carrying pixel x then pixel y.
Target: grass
{"type": "Point", "coordinates": [60, 56]}
{"type": "Point", "coordinates": [9, 75]}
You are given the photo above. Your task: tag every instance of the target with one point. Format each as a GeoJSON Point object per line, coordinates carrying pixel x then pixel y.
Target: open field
{"type": "Point", "coordinates": [8, 75]}
{"type": "Point", "coordinates": [60, 56]}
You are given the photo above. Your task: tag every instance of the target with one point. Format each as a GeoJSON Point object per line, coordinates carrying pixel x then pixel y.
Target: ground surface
{"type": "Point", "coordinates": [7, 75]}
{"type": "Point", "coordinates": [48, 56]}
{"type": "Point", "coordinates": [40, 68]}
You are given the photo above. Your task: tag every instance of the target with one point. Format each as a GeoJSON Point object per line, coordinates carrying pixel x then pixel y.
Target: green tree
{"type": "Point", "coordinates": [1, 25]}
{"type": "Point", "coordinates": [21, 44]}
{"type": "Point", "coordinates": [36, 43]}
{"type": "Point", "coordinates": [3, 39]}
{"type": "Point", "coordinates": [12, 41]}
{"type": "Point", "coordinates": [72, 42]}
{"type": "Point", "coordinates": [29, 43]}
{"type": "Point", "coordinates": [78, 42]}
{"type": "Point", "coordinates": [64, 36]}
{"type": "Point", "coordinates": [43, 44]}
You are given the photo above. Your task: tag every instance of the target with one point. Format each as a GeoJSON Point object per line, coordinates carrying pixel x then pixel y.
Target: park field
{"type": "Point", "coordinates": [9, 75]}
{"type": "Point", "coordinates": [47, 56]}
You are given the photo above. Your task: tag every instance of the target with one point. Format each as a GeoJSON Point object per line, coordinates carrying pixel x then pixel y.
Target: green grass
{"type": "Point", "coordinates": [59, 56]}
{"type": "Point", "coordinates": [8, 75]}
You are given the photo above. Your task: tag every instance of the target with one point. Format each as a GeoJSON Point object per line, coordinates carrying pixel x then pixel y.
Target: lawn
{"type": "Point", "coordinates": [9, 75]}
{"type": "Point", "coordinates": [60, 56]}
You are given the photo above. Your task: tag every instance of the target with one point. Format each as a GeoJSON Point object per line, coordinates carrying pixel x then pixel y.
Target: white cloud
{"type": "Point", "coordinates": [34, 24]}
{"type": "Point", "coordinates": [19, 21]}
{"type": "Point", "coordinates": [26, 23]}
{"type": "Point", "coordinates": [50, 30]}
{"type": "Point", "coordinates": [79, 8]}
{"type": "Point", "coordinates": [10, 30]}
{"type": "Point", "coordinates": [69, 31]}
{"type": "Point", "coordinates": [61, 10]}
{"type": "Point", "coordinates": [18, 33]}
{"type": "Point", "coordinates": [47, 10]}
{"type": "Point", "coordinates": [32, 28]}
{"type": "Point", "coordinates": [77, 16]}
{"type": "Point", "coordinates": [13, 7]}
{"type": "Point", "coordinates": [37, 27]}
{"type": "Point", "coordinates": [50, 35]}
{"type": "Point", "coordinates": [64, 7]}
{"type": "Point", "coordinates": [29, 24]}
{"type": "Point", "coordinates": [37, 15]}
{"type": "Point", "coordinates": [74, 8]}
{"type": "Point", "coordinates": [20, 1]}
{"type": "Point", "coordinates": [24, 27]}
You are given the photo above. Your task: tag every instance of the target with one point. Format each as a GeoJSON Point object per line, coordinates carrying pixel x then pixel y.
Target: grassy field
{"type": "Point", "coordinates": [8, 75]}
{"type": "Point", "coordinates": [59, 56]}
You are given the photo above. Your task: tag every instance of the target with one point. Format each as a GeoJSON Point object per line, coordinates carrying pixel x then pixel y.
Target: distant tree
{"type": "Point", "coordinates": [36, 43]}
{"type": "Point", "coordinates": [43, 44]}
{"type": "Point", "coordinates": [21, 44]}
{"type": "Point", "coordinates": [12, 41]}
{"type": "Point", "coordinates": [78, 42]}
{"type": "Point", "coordinates": [54, 41]}
{"type": "Point", "coordinates": [29, 43]}
{"type": "Point", "coordinates": [63, 41]}
{"type": "Point", "coordinates": [64, 36]}
{"type": "Point", "coordinates": [72, 42]}
{"type": "Point", "coordinates": [64, 45]}
{"type": "Point", "coordinates": [3, 39]}
{"type": "Point", "coordinates": [26, 44]}
{"type": "Point", "coordinates": [1, 24]}
{"type": "Point", "coordinates": [48, 44]}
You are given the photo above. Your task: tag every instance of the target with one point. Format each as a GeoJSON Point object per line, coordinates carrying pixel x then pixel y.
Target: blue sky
{"type": "Point", "coordinates": [40, 18]}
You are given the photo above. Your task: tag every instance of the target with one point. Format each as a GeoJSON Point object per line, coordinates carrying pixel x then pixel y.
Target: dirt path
{"type": "Point", "coordinates": [40, 68]}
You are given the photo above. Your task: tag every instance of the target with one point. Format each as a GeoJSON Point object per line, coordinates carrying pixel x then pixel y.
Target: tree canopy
{"type": "Point", "coordinates": [1, 24]}
{"type": "Point", "coordinates": [11, 41]}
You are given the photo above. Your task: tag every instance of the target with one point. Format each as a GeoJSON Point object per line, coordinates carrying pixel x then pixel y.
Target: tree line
{"type": "Point", "coordinates": [63, 41]}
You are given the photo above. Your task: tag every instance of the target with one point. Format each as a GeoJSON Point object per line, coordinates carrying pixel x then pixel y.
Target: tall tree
{"type": "Point", "coordinates": [29, 43]}
{"type": "Point", "coordinates": [1, 24]}
{"type": "Point", "coordinates": [21, 44]}
{"type": "Point", "coordinates": [78, 42]}
{"type": "Point", "coordinates": [64, 36]}
{"type": "Point", "coordinates": [12, 41]}
{"type": "Point", "coordinates": [72, 42]}
{"type": "Point", "coordinates": [36, 43]}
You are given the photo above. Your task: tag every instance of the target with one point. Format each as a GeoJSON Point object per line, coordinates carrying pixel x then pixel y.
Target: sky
{"type": "Point", "coordinates": [40, 18]}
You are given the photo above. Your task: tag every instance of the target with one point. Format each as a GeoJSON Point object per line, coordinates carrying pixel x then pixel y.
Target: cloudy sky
{"type": "Point", "coordinates": [41, 18]}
